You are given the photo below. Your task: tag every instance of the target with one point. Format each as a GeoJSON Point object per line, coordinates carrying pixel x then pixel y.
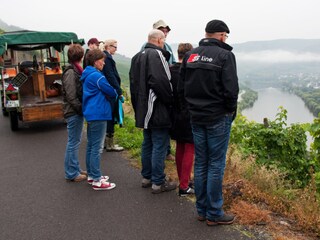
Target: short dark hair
{"type": "Point", "coordinates": [183, 48]}
{"type": "Point", "coordinates": [94, 55]}
{"type": "Point", "coordinates": [75, 53]}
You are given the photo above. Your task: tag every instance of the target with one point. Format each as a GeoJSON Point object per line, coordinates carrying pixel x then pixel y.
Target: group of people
{"type": "Point", "coordinates": [90, 93]}
{"type": "Point", "coordinates": [192, 101]}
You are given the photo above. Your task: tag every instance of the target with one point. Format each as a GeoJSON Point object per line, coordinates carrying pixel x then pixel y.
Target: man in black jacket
{"type": "Point", "coordinates": [151, 96]}
{"type": "Point", "coordinates": [210, 86]}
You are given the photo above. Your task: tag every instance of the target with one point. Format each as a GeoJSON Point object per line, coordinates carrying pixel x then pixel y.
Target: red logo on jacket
{"type": "Point", "coordinates": [193, 57]}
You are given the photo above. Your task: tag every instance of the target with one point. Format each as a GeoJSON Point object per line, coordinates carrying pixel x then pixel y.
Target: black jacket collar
{"type": "Point", "coordinates": [214, 42]}
{"type": "Point", "coordinates": [165, 53]}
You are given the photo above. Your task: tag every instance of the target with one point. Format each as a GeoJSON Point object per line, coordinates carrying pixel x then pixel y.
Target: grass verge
{"type": "Point", "coordinates": [260, 197]}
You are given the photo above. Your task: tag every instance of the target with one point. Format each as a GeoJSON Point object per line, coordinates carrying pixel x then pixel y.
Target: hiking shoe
{"type": "Point", "coordinates": [185, 192]}
{"type": "Point", "coordinates": [164, 187]}
{"type": "Point", "coordinates": [223, 220]}
{"type": "Point", "coordinates": [114, 148]}
{"type": "Point", "coordinates": [78, 178]}
{"type": "Point", "coordinates": [201, 218]}
{"type": "Point", "coordinates": [84, 172]}
{"type": "Point", "coordinates": [102, 185]}
{"type": "Point", "coordinates": [146, 183]}
{"type": "Point", "coordinates": [104, 178]}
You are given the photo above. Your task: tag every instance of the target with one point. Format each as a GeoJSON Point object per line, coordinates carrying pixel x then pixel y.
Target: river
{"type": "Point", "coordinates": [270, 99]}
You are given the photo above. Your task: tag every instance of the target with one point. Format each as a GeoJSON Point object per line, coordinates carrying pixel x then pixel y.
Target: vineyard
{"type": "Point", "coordinates": [271, 158]}
{"type": "Point", "coordinates": [276, 145]}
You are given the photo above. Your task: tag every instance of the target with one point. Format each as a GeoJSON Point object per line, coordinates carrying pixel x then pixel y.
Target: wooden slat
{"type": "Point", "coordinates": [42, 112]}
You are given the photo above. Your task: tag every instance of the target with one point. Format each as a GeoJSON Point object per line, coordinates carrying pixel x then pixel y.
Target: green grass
{"type": "Point", "coordinates": [129, 137]}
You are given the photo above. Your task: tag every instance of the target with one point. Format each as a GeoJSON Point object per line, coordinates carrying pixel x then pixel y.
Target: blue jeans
{"type": "Point", "coordinates": [211, 144]}
{"type": "Point", "coordinates": [96, 132]}
{"type": "Point", "coordinates": [71, 159]}
{"type": "Point", "coordinates": [154, 150]}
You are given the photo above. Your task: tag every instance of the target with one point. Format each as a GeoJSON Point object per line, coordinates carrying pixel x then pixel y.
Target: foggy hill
{"type": "Point", "coordinates": [9, 28]}
{"type": "Point", "coordinates": [259, 63]}
{"type": "Point", "coordinates": [291, 45]}
{"type": "Point", "coordinates": [268, 63]}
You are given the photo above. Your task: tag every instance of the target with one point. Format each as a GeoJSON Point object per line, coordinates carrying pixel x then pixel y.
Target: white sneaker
{"type": "Point", "coordinates": [104, 178]}
{"type": "Point", "coordinates": [102, 185]}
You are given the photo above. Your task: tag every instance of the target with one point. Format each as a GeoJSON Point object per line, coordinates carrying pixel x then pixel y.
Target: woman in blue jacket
{"type": "Point", "coordinates": [97, 94]}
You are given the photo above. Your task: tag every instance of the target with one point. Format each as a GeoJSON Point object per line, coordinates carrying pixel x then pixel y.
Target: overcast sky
{"type": "Point", "coordinates": [129, 21]}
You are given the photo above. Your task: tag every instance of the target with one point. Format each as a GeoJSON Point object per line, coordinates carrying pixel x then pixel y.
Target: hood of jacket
{"type": "Point", "coordinates": [87, 71]}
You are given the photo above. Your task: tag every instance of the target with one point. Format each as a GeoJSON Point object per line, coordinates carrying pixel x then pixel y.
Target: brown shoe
{"type": "Point", "coordinates": [223, 220]}
{"type": "Point", "coordinates": [84, 172]}
{"type": "Point", "coordinates": [80, 178]}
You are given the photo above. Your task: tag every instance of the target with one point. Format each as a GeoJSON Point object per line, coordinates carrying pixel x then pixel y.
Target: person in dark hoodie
{"type": "Point", "coordinates": [181, 129]}
{"type": "Point", "coordinates": [97, 94]}
{"type": "Point", "coordinates": [72, 110]}
{"type": "Point", "coordinates": [210, 86]}
{"type": "Point", "coordinates": [151, 96]}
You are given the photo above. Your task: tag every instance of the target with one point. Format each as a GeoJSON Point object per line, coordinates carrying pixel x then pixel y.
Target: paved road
{"type": "Point", "coordinates": [37, 203]}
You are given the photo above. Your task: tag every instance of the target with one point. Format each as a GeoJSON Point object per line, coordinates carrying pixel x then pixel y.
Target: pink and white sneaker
{"type": "Point", "coordinates": [102, 185]}
{"type": "Point", "coordinates": [104, 178]}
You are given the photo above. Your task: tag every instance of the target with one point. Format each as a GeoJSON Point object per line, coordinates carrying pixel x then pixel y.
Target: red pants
{"type": "Point", "coordinates": [184, 162]}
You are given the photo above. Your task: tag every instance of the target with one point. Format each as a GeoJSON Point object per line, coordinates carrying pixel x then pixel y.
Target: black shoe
{"type": "Point", "coordinates": [146, 183]}
{"type": "Point", "coordinates": [186, 192]}
{"type": "Point", "coordinates": [223, 220]}
{"type": "Point", "coordinates": [164, 187]}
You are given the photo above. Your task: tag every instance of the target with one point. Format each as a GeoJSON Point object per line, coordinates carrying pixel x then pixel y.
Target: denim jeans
{"type": "Point", "coordinates": [71, 159]}
{"type": "Point", "coordinates": [211, 144]}
{"type": "Point", "coordinates": [96, 132]}
{"type": "Point", "coordinates": [154, 150]}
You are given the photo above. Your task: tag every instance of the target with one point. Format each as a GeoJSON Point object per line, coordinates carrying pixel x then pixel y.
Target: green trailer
{"type": "Point", "coordinates": [31, 65]}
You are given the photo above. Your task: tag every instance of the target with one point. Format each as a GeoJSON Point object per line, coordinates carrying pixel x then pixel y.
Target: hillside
{"type": "Point", "coordinates": [270, 63]}
{"type": "Point", "coordinates": [290, 45]}
{"type": "Point", "coordinates": [259, 63]}
{"type": "Point", "coordinates": [8, 28]}
{"type": "Point", "coordinates": [123, 66]}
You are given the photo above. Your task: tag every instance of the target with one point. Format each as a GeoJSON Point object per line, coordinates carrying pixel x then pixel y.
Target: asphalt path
{"type": "Point", "coordinates": [37, 203]}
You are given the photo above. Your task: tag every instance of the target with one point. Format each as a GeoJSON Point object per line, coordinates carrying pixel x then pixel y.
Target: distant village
{"type": "Point", "coordinates": [311, 80]}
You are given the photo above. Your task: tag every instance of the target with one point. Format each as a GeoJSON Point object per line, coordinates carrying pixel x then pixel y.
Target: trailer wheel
{"type": "Point", "coordinates": [14, 120]}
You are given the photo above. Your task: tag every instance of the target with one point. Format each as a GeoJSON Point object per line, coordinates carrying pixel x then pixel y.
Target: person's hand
{"type": "Point", "coordinates": [122, 98]}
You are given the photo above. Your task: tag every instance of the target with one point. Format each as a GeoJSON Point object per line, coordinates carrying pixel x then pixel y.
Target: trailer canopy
{"type": "Point", "coordinates": [33, 40]}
